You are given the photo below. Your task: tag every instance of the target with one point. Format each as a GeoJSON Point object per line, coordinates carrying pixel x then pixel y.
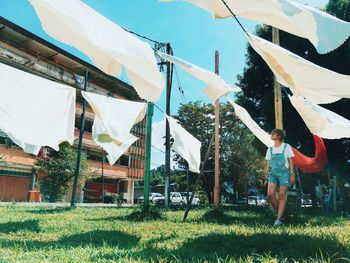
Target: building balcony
{"type": "Point", "coordinates": [112, 172]}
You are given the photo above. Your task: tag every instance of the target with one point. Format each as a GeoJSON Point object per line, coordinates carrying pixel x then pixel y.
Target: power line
{"type": "Point", "coordinates": [157, 149]}
{"type": "Point", "coordinates": [158, 164]}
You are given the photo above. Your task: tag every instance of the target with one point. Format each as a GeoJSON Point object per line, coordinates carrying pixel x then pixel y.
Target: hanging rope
{"type": "Point", "coordinates": [144, 37]}
{"type": "Point", "coordinates": [235, 17]}
{"type": "Point", "coordinates": [179, 85]}
{"type": "Point", "coordinates": [159, 108]}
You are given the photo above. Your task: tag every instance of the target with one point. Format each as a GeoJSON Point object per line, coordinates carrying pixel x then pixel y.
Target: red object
{"type": "Point", "coordinates": [42, 153]}
{"type": "Point", "coordinates": [14, 188]}
{"type": "Point", "coordinates": [34, 195]}
{"type": "Point", "coordinates": [315, 164]}
{"type": "Point", "coordinates": [93, 191]}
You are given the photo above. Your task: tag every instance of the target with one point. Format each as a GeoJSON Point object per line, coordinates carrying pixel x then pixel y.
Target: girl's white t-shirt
{"type": "Point", "coordinates": [288, 153]}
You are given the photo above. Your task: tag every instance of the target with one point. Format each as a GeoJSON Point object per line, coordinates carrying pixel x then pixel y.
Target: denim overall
{"type": "Point", "coordinates": [279, 173]}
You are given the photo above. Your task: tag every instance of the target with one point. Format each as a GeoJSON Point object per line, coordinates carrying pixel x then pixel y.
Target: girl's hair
{"type": "Point", "coordinates": [280, 133]}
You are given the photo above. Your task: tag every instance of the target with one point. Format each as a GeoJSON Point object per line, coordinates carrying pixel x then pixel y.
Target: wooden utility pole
{"type": "Point", "coordinates": [277, 87]}
{"type": "Point", "coordinates": [217, 142]}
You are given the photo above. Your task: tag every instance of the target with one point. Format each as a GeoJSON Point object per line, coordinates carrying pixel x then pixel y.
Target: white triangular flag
{"type": "Point", "coordinates": [34, 111]}
{"type": "Point", "coordinates": [108, 46]}
{"type": "Point", "coordinates": [244, 116]}
{"type": "Point", "coordinates": [324, 31]}
{"type": "Point", "coordinates": [320, 121]}
{"type": "Point", "coordinates": [113, 121]}
{"type": "Point", "coordinates": [303, 77]}
{"type": "Point", "coordinates": [185, 144]}
{"type": "Point", "coordinates": [216, 86]}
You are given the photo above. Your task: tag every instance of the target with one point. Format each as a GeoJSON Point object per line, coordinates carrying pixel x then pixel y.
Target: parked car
{"type": "Point", "coordinates": [155, 198]}
{"type": "Point", "coordinates": [175, 198]}
{"type": "Point", "coordinates": [306, 202]}
{"type": "Point", "coordinates": [263, 202]}
{"type": "Point", "coordinates": [242, 201]}
{"type": "Point", "coordinates": [252, 200]}
{"type": "Point", "coordinates": [257, 201]}
{"type": "Point", "coordinates": [195, 200]}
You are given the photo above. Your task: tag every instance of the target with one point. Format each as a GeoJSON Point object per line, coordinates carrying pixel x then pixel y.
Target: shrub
{"type": "Point", "coordinates": [59, 167]}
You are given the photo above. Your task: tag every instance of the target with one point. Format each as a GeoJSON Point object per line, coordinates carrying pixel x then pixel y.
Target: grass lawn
{"type": "Point", "coordinates": [108, 234]}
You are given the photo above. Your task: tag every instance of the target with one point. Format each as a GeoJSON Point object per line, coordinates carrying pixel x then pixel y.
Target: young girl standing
{"type": "Point", "coordinates": [280, 170]}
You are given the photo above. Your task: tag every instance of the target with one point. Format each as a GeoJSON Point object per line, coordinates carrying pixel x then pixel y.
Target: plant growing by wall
{"type": "Point", "coordinates": [59, 168]}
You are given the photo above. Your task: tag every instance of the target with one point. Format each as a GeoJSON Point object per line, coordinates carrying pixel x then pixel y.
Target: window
{"type": "Point", "coordinates": [95, 157]}
{"type": "Point", "coordinates": [87, 127]}
{"type": "Point", "coordinates": [123, 160]}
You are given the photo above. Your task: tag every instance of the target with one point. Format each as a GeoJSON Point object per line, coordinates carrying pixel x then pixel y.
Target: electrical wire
{"type": "Point", "coordinates": [158, 149]}
{"type": "Point", "coordinates": [157, 164]}
{"type": "Point", "coordinates": [159, 46]}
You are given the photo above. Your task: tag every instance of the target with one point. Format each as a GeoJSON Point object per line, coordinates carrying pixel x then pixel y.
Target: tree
{"type": "Point", "coordinates": [59, 167]}
{"type": "Point", "coordinates": [157, 175]}
{"type": "Point", "coordinates": [257, 84]}
{"type": "Point", "coordinates": [238, 158]}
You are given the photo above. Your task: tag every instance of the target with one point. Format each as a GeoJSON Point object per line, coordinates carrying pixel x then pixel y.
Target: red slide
{"type": "Point", "coordinates": [315, 164]}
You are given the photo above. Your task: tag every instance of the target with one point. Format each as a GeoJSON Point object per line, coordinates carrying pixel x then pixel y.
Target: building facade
{"type": "Point", "coordinates": [21, 49]}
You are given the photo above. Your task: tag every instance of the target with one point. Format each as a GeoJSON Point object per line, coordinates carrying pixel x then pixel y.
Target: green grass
{"type": "Point", "coordinates": [109, 235]}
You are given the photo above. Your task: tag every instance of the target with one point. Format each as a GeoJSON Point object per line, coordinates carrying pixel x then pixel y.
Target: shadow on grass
{"type": "Point", "coordinates": [14, 227]}
{"type": "Point", "coordinates": [55, 210]}
{"type": "Point", "coordinates": [252, 218]}
{"type": "Point", "coordinates": [100, 238]}
{"type": "Point", "coordinates": [96, 238]}
{"type": "Point", "coordinates": [153, 213]}
{"type": "Point", "coordinates": [281, 245]}
{"type": "Point", "coordinates": [138, 215]}
{"type": "Point", "coordinates": [228, 216]}
{"type": "Point", "coordinates": [225, 217]}
{"type": "Point", "coordinates": [212, 247]}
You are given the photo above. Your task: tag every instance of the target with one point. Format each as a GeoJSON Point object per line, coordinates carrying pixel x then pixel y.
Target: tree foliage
{"type": "Point", "coordinates": [59, 167]}
{"type": "Point", "coordinates": [238, 158]}
{"type": "Point", "coordinates": [157, 175]}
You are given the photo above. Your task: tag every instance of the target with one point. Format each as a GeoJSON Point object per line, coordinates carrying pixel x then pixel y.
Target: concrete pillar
{"type": "Point", "coordinates": [129, 194]}
{"type": "Point", "coordinates": [81, 195]}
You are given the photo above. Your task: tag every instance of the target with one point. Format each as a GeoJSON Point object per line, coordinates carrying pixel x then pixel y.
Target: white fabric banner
{"type": "Point", "coordinates": [303, 77]}
{"type": "Point", "coordinates": [244, 116]}
{"type": "Point", "coordinates": [109, 46]}
{"type": "Point", "coordinates": [216, 87]}
{"type": "Point", "coordinates": [113, 121]}
{"type": "Point", "coordinates": [320, 121]}
{"type": "Point", "coordinates": [34, 111]}
{"type": "Point", "coordinates": [324, 31]}
{"type": "Point", "coordinates": [185, 144]}
{"type": "Point", "coordinates": [115, 149]}
{"type": "Point", "coordinates": [158, 134]}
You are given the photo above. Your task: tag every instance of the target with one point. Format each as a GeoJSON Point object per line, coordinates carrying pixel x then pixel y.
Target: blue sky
{"type": "Point", "coordinates": [192, 32]}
